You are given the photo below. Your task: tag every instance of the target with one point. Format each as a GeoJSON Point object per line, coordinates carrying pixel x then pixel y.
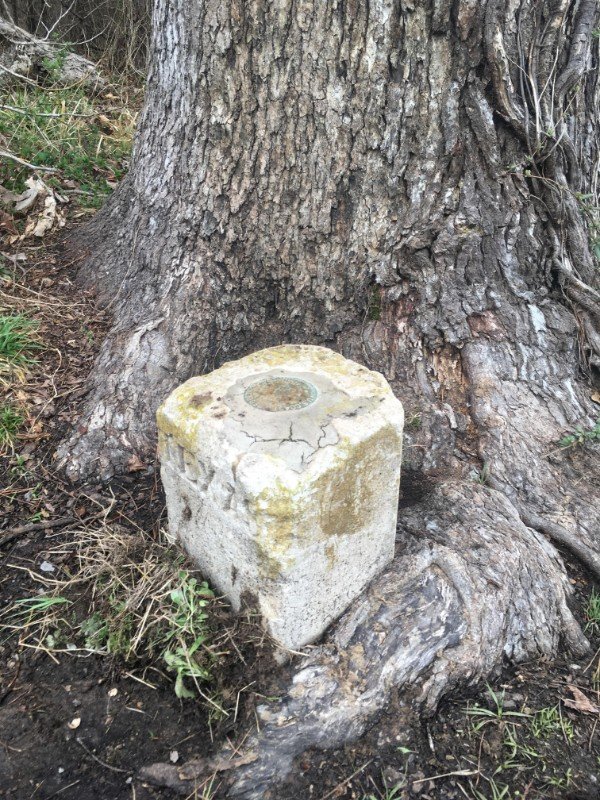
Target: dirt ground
{"type": "Point", "coordinates": [81, 725]}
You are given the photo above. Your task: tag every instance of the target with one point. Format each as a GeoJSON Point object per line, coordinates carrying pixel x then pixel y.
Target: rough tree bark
{"type": "Point", "coordinates": [414, 184]}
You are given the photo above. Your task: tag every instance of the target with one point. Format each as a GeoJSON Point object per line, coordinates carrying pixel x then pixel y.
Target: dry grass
{"type": "Point", "coordinates": [114, 592]}
{"type": "Point", "coordinates": [62, 325]}
{"type": "Point", "coordinates": [86, 142]}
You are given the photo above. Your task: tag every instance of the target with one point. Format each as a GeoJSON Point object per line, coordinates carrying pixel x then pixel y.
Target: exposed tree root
{"type": "Point", "coordinates": [471, 586]}
{"type": "Point", "coordinates": [575, 543]}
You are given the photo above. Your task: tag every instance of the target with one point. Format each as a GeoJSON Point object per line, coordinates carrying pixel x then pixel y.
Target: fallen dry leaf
{"type": "Point", "coordinates": [134, 464]}
{"type": "Point", "coordinates": [35, 188]}
{"type": "Point", "coordinates": [7, 198]}
{"type": "Point", "coordinates": [41, 199]}
{"type": "Point", "coordinates": [7, 223]}
{"type": "Point", "coordinates": [48, 219]}
{"type": "Point", "coordinates": [581, 702]}
{"type": "Point", "coordinates": [103, 121]}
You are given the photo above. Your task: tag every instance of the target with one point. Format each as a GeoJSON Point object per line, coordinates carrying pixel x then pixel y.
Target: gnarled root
{"type": "Point", "coordinates": [470, 587]}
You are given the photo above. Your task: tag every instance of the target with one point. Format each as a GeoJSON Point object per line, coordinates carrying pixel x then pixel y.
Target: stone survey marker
{"type": "Point", "coordinates": [281, 473]}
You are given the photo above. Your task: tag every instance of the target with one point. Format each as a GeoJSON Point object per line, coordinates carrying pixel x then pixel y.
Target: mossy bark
{"type": "Point", "coordinates": [296, 160]}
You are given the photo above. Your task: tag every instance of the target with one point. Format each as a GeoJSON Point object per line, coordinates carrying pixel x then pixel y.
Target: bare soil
{"type": "Point", "coordinates": [42, 754]}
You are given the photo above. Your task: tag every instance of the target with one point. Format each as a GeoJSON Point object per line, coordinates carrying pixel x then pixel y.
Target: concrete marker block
{"type": "Point", "coordinates": [281, 472]}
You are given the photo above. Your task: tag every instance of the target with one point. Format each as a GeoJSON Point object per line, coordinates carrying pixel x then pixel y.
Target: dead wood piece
{"type": "Point", "coordinates": [14, 533]}
{"type": "Point", "coordinates": [24, 57]}
{"type": "Point", "coordinates": [61, 522]}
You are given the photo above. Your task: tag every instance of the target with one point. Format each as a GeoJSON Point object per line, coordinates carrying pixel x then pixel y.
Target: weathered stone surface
{"type": "Point", "coordinates": [281, 473]}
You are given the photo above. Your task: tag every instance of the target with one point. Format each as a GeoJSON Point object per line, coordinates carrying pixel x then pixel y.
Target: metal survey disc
{"type": "Point", "coordinates": [280, 394]}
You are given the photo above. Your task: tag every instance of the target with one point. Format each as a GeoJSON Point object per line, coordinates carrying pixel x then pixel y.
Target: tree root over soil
{"type": "Point", "coordinates": [471, 585]}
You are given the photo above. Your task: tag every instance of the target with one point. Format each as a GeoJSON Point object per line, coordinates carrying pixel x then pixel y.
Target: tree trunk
{"type": "Point", "coordinates": [415, 185]}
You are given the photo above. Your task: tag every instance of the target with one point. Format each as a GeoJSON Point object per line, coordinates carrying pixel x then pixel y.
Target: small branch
{"type": "Point", "coordinates": [13, 533]}
{"type": "Point", "coordinates": [16, 159]}
{"type": "Point", "coordinates": [6, 11]}
{"type": "Point", "coordinates": [20, 77]}
{"type": "Point", "coordinates": [62, 15]}
{"type": "Point", "coordinates": [345, 782]}
{"type": "Point", "coordinates": [50, 116]}
{"type": "Point", "coordinates": [460, 773]}
{"type": "Point", "coordinates": [99, 760]}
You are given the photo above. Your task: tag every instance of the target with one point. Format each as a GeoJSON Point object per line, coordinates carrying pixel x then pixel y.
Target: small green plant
{"type": "Point", "coordinates": [19, 468]}
{"type": "Point", "coordinates": [581, 436]}
{"type": "Point", "coordinates": [414, 422]}
{"type": "Point", "coordinates": [592, 612]}
{"type": "Point", "coordinates": [89, 335]}
{"type": "Point", "coordinates": [561, 781]}
{"type": "Point", "coordinates": [548, 721]}
{"type": "Point", "coordinates": [495, 714]}
{"type": "Point", "coordinates": [16, 339]}
{"type": "Point", "coordinates": [496, 791]}
{"type": "Point", "coordinates": [40, 614]}
{"type": "Point", "coordinates": [177, 640]}
{"type": "Point", "coordinates": [483, 475]}
{"type": "Point", "coordinates": [30, 607]}
{"type": "Point", "coordinates": [53, 66]}
{"type": "Point", "coordinates": [208, 790]}
{"type": "Point", "coordinates": [187, 632]}
{"type": "Point", "coordinates": [10, 422]}
{"type": "Point", "coordinates": [109, 633]}
{"type": "Point", "coordinates": [143, 607]}
{"type": "Point", "coordinates": [95, 632]}
{"type": "Point", "coordinates": [517, 751]}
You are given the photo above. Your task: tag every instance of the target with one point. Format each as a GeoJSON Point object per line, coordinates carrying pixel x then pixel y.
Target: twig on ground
{"type": "Point", "coordinates": [35, 526]}
{"type": "Point", "coordinates": [13, 533]}
{"type": "Point", "coordinates": [459, 773]}
{"type": "Point", "coordinates": [20, 77]}
{"type": "Point", "coordinates": [99, 760]}
{"type": "Point", "coordinates": [64, 788]}
{"type": "Point", "coordinates": [57, 115]}
{"type": "Point", "coordinates": [341, 785]}
{"type": "Point", "coordinates": [23, 163]}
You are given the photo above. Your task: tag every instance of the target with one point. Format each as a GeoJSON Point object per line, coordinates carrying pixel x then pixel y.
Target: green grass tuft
{"type": "Point", "coordinates": [581, 436]}
{"type": "Point", "coordinates": [16, 339]}
{"type": "Point", "coordinates": [66, 130]}
{"type": "Point", "coordinates": [142, 606]}
{"type": "Point", "coordinates": [592, 612]}
{"type": "Point", "coordinates": [10, 422]}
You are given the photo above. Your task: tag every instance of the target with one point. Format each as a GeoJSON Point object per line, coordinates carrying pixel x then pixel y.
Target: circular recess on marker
{"type": "Point", "coordinates": [280, 394]}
